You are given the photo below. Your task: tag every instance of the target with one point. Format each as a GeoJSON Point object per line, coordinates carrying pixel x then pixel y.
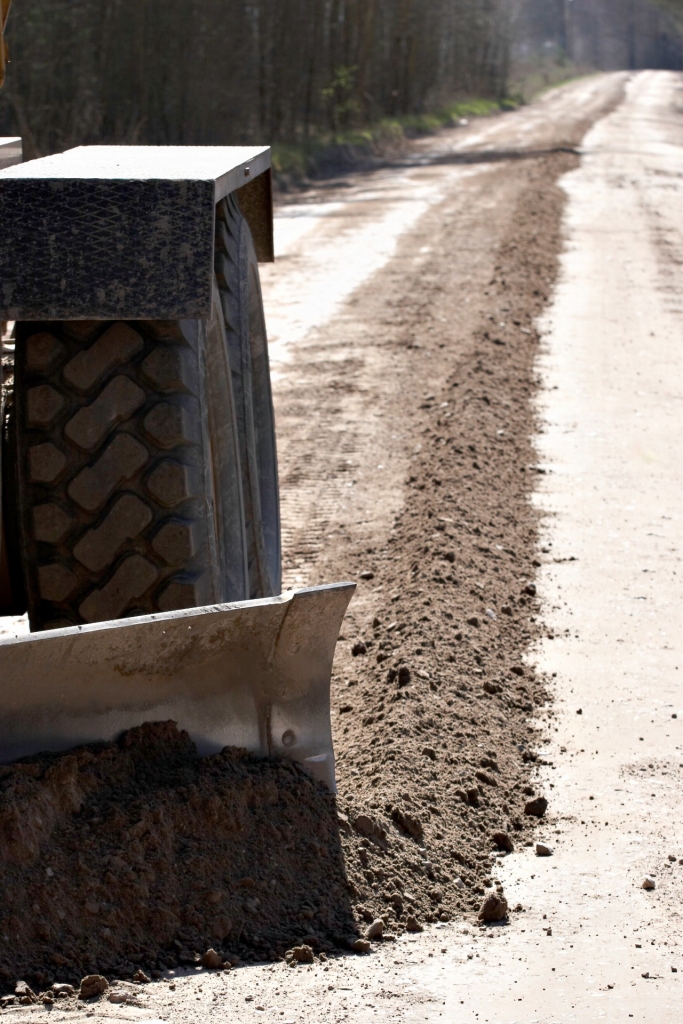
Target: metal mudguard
{"type": "Point", "coordinates": [123, 232]}
{"type": "Point", "coordinates": [254, 674]}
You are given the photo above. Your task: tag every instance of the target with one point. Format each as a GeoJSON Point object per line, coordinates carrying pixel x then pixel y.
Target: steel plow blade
{"type": "Point", "coordinates": [254, 674]}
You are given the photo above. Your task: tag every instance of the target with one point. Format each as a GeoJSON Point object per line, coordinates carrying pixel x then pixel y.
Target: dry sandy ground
{"type": "Point", "coordinates": [590, 943]}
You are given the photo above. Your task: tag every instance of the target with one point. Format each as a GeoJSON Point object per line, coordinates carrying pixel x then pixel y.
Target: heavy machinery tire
{"type": "Point", "coordinates": [136, 445]}
{"type": "Point", "coordinates": [12, 596]}
{"type": "Point", "coordinates": [245, 329]}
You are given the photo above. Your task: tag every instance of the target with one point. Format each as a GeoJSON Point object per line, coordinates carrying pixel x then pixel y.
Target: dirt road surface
{"type": "Point", "coordinates": [404, 312]}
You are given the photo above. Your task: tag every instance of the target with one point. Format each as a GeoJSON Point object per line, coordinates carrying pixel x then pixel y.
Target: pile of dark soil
{"type": "Point", "coordinates": [139, 854]}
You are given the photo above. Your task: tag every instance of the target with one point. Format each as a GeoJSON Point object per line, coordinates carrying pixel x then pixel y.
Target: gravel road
{"type": "Point", "coordinates": [476, 387]}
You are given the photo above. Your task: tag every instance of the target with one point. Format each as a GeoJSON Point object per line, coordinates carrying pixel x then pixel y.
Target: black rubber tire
{"type": "Point", "coordinates": [12, 595]}
{"type": "Point", "coordinates": [245, 327]}
{"type": "Point", "coordinates": [137, 452]}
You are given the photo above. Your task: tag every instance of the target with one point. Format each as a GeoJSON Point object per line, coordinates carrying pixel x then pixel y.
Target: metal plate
{"type": "Point", "coordinates": [254, 674]}
{"type": "Point", "coordinates": [116, 232]}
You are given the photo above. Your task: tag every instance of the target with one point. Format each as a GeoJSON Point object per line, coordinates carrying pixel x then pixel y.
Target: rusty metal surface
{"type": "Point", "coordinates": [4, 55]}
{"type": "Point", "coordinates": [116, 232]}
{"type": "Point", "coordinates": [256, 203]}
{"type": "Point", "coordinates": [254, 674]}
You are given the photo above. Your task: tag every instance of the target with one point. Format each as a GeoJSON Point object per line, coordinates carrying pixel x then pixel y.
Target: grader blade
{"type": "Point", "coordinates": [253, 674]}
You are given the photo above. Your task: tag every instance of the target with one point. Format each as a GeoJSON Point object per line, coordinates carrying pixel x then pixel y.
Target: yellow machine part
{"type": "Point", "coordinates": [4, 55]}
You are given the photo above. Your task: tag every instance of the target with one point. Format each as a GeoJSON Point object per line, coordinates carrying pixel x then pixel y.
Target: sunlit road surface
{"type": "Point", "coordinates": [325, 250]}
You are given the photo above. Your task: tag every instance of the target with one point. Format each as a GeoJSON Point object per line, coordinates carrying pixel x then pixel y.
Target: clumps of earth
{"type": "Point", "coordinates": [124, 860]}
{"type": "Point", "coordinates": [141, 856]}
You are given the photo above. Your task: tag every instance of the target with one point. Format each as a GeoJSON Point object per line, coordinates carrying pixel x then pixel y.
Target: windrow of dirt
{"type": "Point", "coordinates": [434, 698]}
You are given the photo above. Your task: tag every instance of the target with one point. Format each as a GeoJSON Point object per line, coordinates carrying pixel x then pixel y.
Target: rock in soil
{"type": "Point", "coordinates": [494, 908]}
{"type": "Point", "coordinates": [212, 959]}
{"type": "Point", "coordinates": [648, 883]}
{"type": "Point", "coordinates": [503, 841]}
{"type": "Point", "coordinates": [375, 930]}
{"type": "Point", "coordinates": [302, 954]}
{"type": "Point", "coordinates": [536, 807]}
{"type": "Point", "coordinates": [92, 985]}
{"type": "Point", "coordinates": [543, 850]}
{"type": "Point", "coordinates": [25, 993]}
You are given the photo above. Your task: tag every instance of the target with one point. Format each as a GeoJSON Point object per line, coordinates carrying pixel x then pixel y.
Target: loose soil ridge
{"type": "Point", "coordinates": [434, 698]}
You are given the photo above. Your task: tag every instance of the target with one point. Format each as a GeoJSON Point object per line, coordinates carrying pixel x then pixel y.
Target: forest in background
{"type": "Point", "coordinates": [602, 34]}
{"type": "Point", "coordinates": [234, 71]}
{"type": "Point", "coordinates": [298, 73]}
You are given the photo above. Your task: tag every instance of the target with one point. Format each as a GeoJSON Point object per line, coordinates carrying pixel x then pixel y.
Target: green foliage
{"type": "Point", "coordinates": [384, 137]}
{"type": "Point", "coordinates": [535, 77]}
{"type": "Point", "coordinates": [340, 96]}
